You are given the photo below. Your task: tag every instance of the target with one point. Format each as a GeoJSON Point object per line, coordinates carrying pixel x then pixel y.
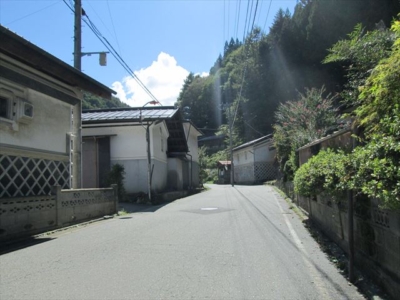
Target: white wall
{"type": "Point", "coordinates": [126, 142]}
{"type": "Point", "coordinates": [175, 174]}
{"type": "Point", "coordinates": [128, 147]}
{"type": "Point", "coordinates": [243, 156]}
{"type": "Point", "coordinates": [192, 141]}
{"type": "Point", "coordinates": [48, 129]}
{"type": "Point", "coordinates": [262, 152]}
{"type": "Point", "coordinates": [159, 136]}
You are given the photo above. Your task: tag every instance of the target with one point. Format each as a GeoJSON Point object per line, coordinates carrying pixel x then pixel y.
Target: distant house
{"type": "Point", "coordinates": [213, 143]}
{"type": "Point", "coordinates": [224, 171]}
{"type": "Point", "coordinates": [254, 162]}
{"type": "Point", "coordinates": [157, 148]}
{"type": "Point", "coordinates": [37, 92]}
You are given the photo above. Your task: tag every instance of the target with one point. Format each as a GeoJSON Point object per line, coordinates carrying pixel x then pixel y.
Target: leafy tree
{"type": "Point", "coordinates": [377, 164]}
{"type": "Point", "coordinates": [359, 54]}
{"type": "Point", "coordinates": [300, 122]}
{"type": "Point", "coordinates": [91, 101]}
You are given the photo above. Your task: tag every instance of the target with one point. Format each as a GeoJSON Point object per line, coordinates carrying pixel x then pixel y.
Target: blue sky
{"type": "Point", "coordinates": [161, 40]}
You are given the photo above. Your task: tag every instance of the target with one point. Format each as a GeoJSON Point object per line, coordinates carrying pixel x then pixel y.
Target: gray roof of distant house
{"type": "Point", "coordinates": [254, 142]}
{"type": "Point", "coordinates": [176, 141]}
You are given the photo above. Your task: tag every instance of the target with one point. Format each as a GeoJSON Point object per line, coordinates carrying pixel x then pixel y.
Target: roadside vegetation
{"type": "Point", "coordinates": [298, 80]}
{"type": "Point", "coordinates": [117, 176]}
{"type": "Point", "coordinates": [372, 168]}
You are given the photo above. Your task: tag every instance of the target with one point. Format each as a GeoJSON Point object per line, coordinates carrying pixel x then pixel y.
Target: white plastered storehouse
{"type": "Point", "coordinates": [118, 136]}
{"type": "Point", "coordinates": [37, 93]}
{"type": "Point", "coordinates": [254, 161]}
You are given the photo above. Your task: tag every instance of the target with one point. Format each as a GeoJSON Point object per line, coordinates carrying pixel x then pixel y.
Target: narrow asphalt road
{"type": "Point", "coordinates": [226, 243]}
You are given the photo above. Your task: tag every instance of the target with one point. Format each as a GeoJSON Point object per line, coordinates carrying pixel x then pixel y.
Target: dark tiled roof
{"type": "Point", "coordinates": [22, 50]}
{"type": "Point", "coordinates": [128, 114]}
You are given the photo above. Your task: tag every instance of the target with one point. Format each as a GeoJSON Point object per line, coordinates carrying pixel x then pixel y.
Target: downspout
{"type": "Point", "coordinates": [191, 158]}
{"type": "Point", "coordinates": [96, 161]}
{"type": "Point", "coordinates": [148, 160]}
{"type": "Point", "coordinates": [191, 171]}
{"type": "Point", "coordinates": [149, 172]}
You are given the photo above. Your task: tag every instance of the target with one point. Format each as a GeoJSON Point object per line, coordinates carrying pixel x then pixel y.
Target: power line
{"type": "Point", "coordinates": [237, 13]}
{"type": "Point", "coordinates": [35, 12]}
{"type": "Point", "coordinates": [245, 67]}
{"type": "Point", "coordinates": [112, 22]}
{"type": "Point", "coordinates": [259, 15]}
{"type": "Point", "coordinates": [111, 49]}
{"type": "Point", "coordinates": [229, 13]}
{"type": "Point", "coordinates": [245, 22]}
{"type": "Point", "coordinates": [117, 56]}
{"type": "Point", "coordinates": [266, 19]}
{"type": "Point", "coordinates": [101, 20]}
{"type": "Point", "coordinates": [223, 35]}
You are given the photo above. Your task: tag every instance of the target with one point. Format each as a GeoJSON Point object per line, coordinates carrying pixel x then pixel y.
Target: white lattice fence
{"type": "Point", "coordinates": [24, 176]}
{"type": "Point", "coordinates": [264, 171]}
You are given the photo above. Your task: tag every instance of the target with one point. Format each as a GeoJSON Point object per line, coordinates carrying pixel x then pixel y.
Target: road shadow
{"type": "Point", "coordinates": [11, 246]}
{"type": "Point", "coordinates": [132, 208]}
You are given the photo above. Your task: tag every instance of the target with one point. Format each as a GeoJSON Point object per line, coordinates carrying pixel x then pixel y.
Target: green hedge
{"type": "Point", "coordinates": [324, 172]}
{"type": "Point", "coordinates": [372, 170]}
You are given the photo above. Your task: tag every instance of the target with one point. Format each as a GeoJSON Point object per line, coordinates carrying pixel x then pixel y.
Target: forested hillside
{"type": "Point", "coordinates": [91, 101]}
{"type": "Point", "coordinates": [252, 77]}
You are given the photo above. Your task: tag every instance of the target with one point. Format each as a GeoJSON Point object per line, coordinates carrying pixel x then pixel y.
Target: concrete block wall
{"type": "Point", "coordinates": [26, 216]}
{"type": "Point", "coordinates": [376, 236]}
{"type": "Point", "coordinates": [75, 206]}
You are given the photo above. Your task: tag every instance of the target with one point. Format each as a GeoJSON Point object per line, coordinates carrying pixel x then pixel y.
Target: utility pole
{"type": "Point", "coordinates": [77, 109]}
{"type": "Point", "coordinates": [230, 146]}
{"type": "Point", "coordinates": [350, 220]}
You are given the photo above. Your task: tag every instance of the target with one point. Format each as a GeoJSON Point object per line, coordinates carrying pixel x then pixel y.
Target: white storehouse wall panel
{"type": "Point", "coordinates": [191, 133]}
{"type": "Point", "coordinates": [126, 142]}
{"type": "Point", "coordinates": [159, 137]}
{"type": "Point", "coordinates": [175, 175]}
{"type": "Point", "coordinates": [135, 174]}
{"type": "Point", "coordinates": [51, 122]}
{"type": "Point", "coordinates": [262, 153]}
{"type": "Point", "coordinates": [243, 156]}
{"type": "Point", "coordinates": [160, 173]}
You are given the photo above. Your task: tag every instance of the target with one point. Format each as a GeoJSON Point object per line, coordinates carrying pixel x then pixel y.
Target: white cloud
{"type": "Point", "coordinates": [203, 74]}
{"type": "Point", "coordinates": [164, 78]}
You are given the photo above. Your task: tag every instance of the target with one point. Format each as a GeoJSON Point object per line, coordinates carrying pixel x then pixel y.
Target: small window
{"type": "Point", "coordinates": [4, 107]}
